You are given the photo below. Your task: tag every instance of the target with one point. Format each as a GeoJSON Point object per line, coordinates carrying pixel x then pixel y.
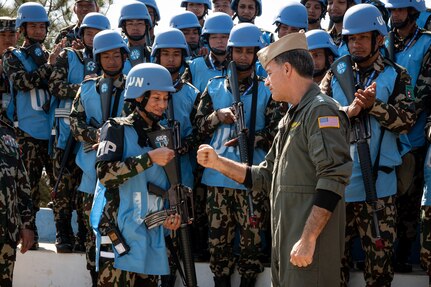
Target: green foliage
{"type": "Point", "coordinates": [60, 14]}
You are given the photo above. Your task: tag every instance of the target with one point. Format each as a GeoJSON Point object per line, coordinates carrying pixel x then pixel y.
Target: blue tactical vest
{"type": "Point", "coordinates": [390, 157]}
{"type": "Point", "coordinates": [201, 73]}
{"type": "Point", "coordinates": [221, 98]}
{"type": "Point", "coordinates": [75, 76]}
{"type": "Point", "coordinates": [426, 197]}
{"type": "Point", "coordinates": [423, 18]}
{"type": "Point", "coordinates": [183, 101]}
{"type": "Point", "coordinates": [411, 59]}
{"type": "Point", "coordinates": [146, 246]}
{"type": "Point", "coordinates": [32, 119]}
{"type": "Point", "coordinates": [90, 100]}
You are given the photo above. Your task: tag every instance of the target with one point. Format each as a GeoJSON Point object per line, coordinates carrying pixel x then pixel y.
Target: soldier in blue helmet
{"type": "Point", "coordinates": [322, 50]}
{"type": "Point", "coordinates": [291, 18]}
{"type": "Point", "coordinates": [412, 50]}
{"type": "Point", "coordinates": [28, 69]}
{"type": "Point", "coordinates": [336, 10]}
{"type": "Point", "coordinates": [316, 11]}
{"type": "Point", "coordinates": [135, 22]}
{"type": "Point", "coordinates": [154, 12]}
{"type": "Point", "coordinates": [199, 7]}
{"type": "Point", "coordinates": [71, 68]}
{"type": "Point", "coordinates": [384, 94]}
{"type": "Point", "coordinates": [188, 23]}
{"type": "Point", "coordinates": [126, 164]}
{"type": "Point", "coordinates": [228, 203]}
{"type": "Point", "coordinates": [87, 115]}
{"type": "Point", "coordinates": [247, 11]}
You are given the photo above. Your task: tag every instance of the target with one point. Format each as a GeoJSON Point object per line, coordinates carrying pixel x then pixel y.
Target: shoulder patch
{"type": "Point", "coordinates": [328, 122]}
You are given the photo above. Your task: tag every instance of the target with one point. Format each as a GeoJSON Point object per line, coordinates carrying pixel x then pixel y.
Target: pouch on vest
{"type": "Point", "coordinates": [35, 51]}
{"type": "Point", "coordinates": [90, 67]}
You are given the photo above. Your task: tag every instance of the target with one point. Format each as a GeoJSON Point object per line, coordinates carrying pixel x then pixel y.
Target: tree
{"type": "Point", "coordinates": [60, 14]}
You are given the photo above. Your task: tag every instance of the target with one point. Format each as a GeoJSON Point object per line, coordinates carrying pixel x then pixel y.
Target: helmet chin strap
{"type": "Point", "coordinates": [153, 117]}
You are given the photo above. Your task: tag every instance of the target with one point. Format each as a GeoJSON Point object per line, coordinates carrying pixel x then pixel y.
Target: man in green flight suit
{"type": "Point", "coordinates": [305, 172]}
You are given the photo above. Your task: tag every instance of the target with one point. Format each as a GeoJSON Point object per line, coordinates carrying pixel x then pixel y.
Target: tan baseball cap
{"type": "Point", "coordinates": [293, 41]}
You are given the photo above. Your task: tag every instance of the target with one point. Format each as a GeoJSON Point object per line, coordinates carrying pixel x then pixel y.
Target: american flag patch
{"type": "Point", "coordinates": [328, 122]}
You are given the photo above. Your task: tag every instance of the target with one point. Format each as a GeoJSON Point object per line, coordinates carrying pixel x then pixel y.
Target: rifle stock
{"type": "Point", "coordinates": [342, 69]}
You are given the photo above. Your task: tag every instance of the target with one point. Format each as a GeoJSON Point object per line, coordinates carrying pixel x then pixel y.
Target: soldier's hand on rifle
{"type": "Point", "coordinates": [207, 157]}
{"type": "Point", "coordinates": [172, 222]}
{"type": "Point", "coordinates": [367, 97]}
{"type": "Point", "coordinates": [161, 156]}
{"type": "Point", "coordinates": [225, 115]}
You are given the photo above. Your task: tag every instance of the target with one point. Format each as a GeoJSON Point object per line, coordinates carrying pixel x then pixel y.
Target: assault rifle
{"type": "Point", "coordinates": [241, 130]}
{"type": "Point", "coordinates": [343, 72]}
{"type": "Point", "coordinates": [180, 197]}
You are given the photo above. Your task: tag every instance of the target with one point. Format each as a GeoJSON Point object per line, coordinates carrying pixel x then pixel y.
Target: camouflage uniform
{"type": "Point", "coordinates": [15, 201]}
{"type": "Point", "coordinates": [85, 133]}
{"type": "Point", "coordinates": [410, 190]}
{"type": "Point", "coordinates": [67, 198]}
{"type": "Point", "coordinates": [34, 151]}
{"type": "Point", "coordinates": [112, 175]}
{"type": "Point", "coordinates": [398, 115]}
{"type": "Point", "coordinates": [425, 253]}
{"type": "Point", "coordinates": [227, 207]}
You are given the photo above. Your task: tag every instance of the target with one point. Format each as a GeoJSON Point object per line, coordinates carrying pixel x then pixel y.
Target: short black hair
{"type": "Point", "coordinates": [300, 60]}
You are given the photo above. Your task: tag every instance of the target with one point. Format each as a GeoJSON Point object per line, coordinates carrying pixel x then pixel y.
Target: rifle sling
{"type": "Point", "coordinates": [116, 102]}
{"type": "Point", "coordinates": [251, 133]}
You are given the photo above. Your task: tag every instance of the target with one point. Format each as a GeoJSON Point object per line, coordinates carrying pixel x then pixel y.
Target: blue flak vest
{"type": "Point", "coordinates": [201, 73]}
{"type": "Point", "coordinates": [221, 98]}
{"type": "Point", "coordinates": [423, 18]}
{"type": "Point", "coordinates": [74, 76]}
{"type": "Point", "coordinates": [426, 197]}
{"type": "Point", "coordinates": [183, 101]}
{"type": "Point", "coordinates": [147, 253]}
{"type": "Point", "coordinates": [90, 99]}
{"type": "Point", "coordinates": [32, 119]}
{"type": "Point", "coordinates": [390, 157]}
{"type": "Point", "coordinates": [411, 59]}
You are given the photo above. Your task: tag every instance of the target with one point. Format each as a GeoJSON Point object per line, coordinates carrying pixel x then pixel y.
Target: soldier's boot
{"type": "Point", "coordinates": [247, 282]}
{"type": "Point", "coordinates": [63, 242]}
{"type": "Point", "coordinates": [168, 280]}
{"type": "Point", "coordinates": [223, 281]}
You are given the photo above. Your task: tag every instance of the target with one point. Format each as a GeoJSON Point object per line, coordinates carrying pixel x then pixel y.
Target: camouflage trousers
{"type": "Point", "coordinates": [7, 263]}
{"type": "Point", "coordinates": [113, 277]}
{"type": "Point", "coordinates": [90, 242]}
{"type": "Point", "coordinates": [35, 157]}
{"type": "Point", "coordinates": [425, 254]}
{"type": "Point", "coordinates": [66, 197]}
{"type": "Point", "coordinates": [409, 201]}
{"type": "Point", "coordinates": [378, 270]}
{"type": "Point", "coordinates": [227, 210]}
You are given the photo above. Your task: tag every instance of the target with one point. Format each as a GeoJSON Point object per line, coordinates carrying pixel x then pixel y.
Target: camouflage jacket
{"type": "Point", "coordinates": [82, 131]}
{"type": "Point", "coordinates": [4, 89]}
{"type": "Point", "coordinates": [71, 34]}
{"type": "Point", "coordinates": [337, 37]}
{"type": "Point", "coordinates": [20, 78]}
{"type": "Point", "coordinates": [398, 115]}
{"type": "Point", "coordinates": [206, 119]}
{"type": "Point", "coordinates": [58, 84]}
{"type": "Point", "coordinates": [15, 201]}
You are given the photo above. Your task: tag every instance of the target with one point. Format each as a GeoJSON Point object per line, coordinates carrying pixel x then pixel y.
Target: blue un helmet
{"type": "Point", "coordinates": [293, 14]}
{"type": "Point", "coordinates": [134, 11]}
{"type": "Point", "coordinates": [320, 39]}
{"type": "Point", "coordinates": [170, 38]}
{"type": "Point", "coordinates": [185, 20]}
{"type": "Point", "coordinates": [419, 5]}
{"type": "Point", "coordinates": [94, 20]}
{"type": "Point", "coordinates": [147, 77]}
{"type": "Point", "coordinates": [217, 23]}
{"type": "Point", "coordinates": [207, 3]}
{"type": "Point", "coordinates": [234, 6]}
{"type": "Point", "coordinates": [108, 40]}
{"type": "Point", "coordinates": [245, 35]}
{"type": "Point", "coordinates": [31, 12]}
{"type": "Point", "coordinates": [363, 18]}
{"type": "Point", "coordinates": [152, 4]}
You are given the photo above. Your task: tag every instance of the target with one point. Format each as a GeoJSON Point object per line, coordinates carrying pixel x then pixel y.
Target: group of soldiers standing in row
{"type": "Point", "coordinates": [83, 112]}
